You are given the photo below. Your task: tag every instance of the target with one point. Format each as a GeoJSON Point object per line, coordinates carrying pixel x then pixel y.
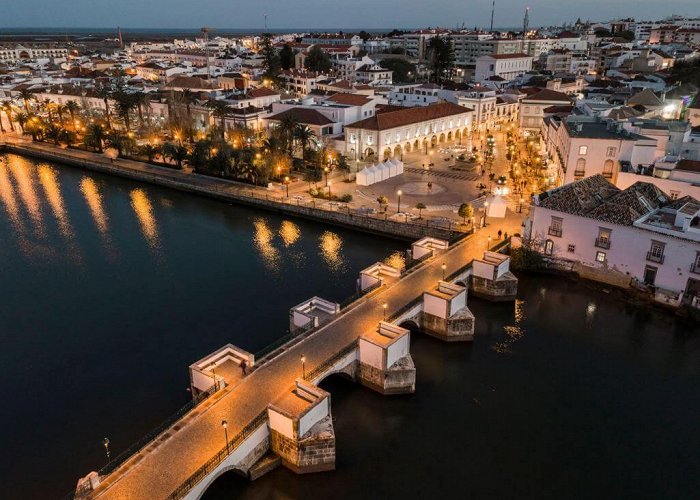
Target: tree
{"type": "Point", "coordinates": [420, 207]}
{"type": "Point", "coordinates": [26, 95]}
{"type": "Point", "coordinates": [271, 60]}
{"type": "Point", "coordinates": [94, 136]}
{"type": "Point", "coordinates": [344, 165]}
{"type": "Point", "coordinates": [120, 141]}
{"type": "Point", "coordinates": [466, 211]}
{"type": "Point", "coordinates": [403, 70]}
{"type": "Point", "coordinates": [383, 202]}
{"type": "Point", "coordinates": [175, 152]}
{"type": "Point", "coordinates": [441, 56]}
{"type": "Point", "coordinates": [72, 107]}
{"type": "Point", "coordinates": [318, 60]}
{"type": "Point", "coordinates": [220, 110]}
{"type": "Point", "coordinates": [286, 57]}
{"type": "Point", "coordinates": [305, 137]}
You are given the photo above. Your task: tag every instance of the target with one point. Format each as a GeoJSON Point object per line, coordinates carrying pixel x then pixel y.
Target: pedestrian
{"type": "Point", "coordinates": [244, 365]}
{"type": "Point", "coordinates": [500, 233]}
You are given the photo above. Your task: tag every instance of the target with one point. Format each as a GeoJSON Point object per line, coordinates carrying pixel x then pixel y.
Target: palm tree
{"type": "Point", "coordinates": [94, 135]}
{"type": "Point", "coordinates": [72, 107]}
{"type": "Point", "coordinates": [7, 108]}
{"type": "Point", "coordinates": [175, 152]}
{"type": "Point", "coordinates": [305, 136]}
{"type": "Point", "coordinates": [220, 110]}
{"type": "Point", "coordinates": [104, 93]}
{"type": "Point", "coordinates": [26, 95]}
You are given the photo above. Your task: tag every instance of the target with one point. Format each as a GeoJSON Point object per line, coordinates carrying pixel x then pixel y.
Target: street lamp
{"type": "Point", "coordinates": [398, 202]}
{"type": "Point", "coordinates": [286, 183]}
{"type": "Point", "coordinates": [105, 443]}
{"type": "Point", "coordinates": [384, 306]}
{"type": "Point", "coordinates": [444, 266]}
{"type": "Point", "coordinates": [303, 366]}
{"type": "Point", "coordinates": [224, 424]}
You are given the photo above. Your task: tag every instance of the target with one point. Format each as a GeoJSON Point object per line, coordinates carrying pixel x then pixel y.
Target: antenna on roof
{"type": "Point", "coordinates": [493, 9]}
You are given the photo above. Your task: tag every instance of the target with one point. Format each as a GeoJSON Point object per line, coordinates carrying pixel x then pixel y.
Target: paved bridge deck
{"type": "Point", "coordinates": [162, 469]}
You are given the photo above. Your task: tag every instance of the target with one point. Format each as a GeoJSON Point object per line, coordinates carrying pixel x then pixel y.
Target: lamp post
{"type": "Point", "coordinates": [105, 443]}
{"type": "Point", "coordinates": [444, 266]}
{"type": "Point", "coordinates": [286, 184]}
{"type": "Point", "coordinates": [384, 306]}
{"type": "Point", "coordinates": [303, 366]}
{"type": "Point", "coordinates": [398, 202]}
{"type": "Point", "coordinates": [224, 424]}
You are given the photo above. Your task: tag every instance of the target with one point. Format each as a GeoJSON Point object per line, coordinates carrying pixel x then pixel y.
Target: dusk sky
{"type": "Point", "coordinates": [325, 13]}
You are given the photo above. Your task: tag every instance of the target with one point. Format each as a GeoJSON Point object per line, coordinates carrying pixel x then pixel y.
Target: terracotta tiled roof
{"type": "Point", "coordinates": [596, 198]}
{"type": "Point", "coordinates": [303, 115]}
{"type": "Point", "coordinates": [407, 116]}
{"type": "Point", "coordinates": [349, 99]}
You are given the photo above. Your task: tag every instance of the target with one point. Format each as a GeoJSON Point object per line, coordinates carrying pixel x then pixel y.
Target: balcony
{"type": "Point", "coordinates": [602, 243]}
{"type": "Point", "coordinates": [652, 257]}
{"type": "Point", "coordinates": [554, 231]}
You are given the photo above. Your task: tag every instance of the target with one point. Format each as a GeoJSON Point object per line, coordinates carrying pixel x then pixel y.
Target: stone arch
{"type": "Point", "coordinates": [410, 325]}
{"type": "Point", "coordinates": [397, 151]}
{"type": "Point", "coordinates": [387, 153]}
{"type": "Point", "coordinates": [441, 139]}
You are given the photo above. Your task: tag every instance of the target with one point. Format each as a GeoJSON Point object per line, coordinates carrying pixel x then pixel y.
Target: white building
{"type": "Point", "coordinates": [506, 66]}
{"type": "Point", "coordinates": [633, 237]}
{"type": "Point", "coordinates": [392, 133]}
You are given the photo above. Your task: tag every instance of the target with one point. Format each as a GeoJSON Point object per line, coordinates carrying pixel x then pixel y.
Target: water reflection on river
{"type": "Point", "coordinates": [110, 289]}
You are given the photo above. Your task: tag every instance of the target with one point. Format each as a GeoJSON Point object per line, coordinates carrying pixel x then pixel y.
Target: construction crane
{"type": "Point", "coordinates": [206, 30]}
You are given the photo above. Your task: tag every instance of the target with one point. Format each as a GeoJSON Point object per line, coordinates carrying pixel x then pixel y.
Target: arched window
{"type": "Point", "coordinates": [608, 168]}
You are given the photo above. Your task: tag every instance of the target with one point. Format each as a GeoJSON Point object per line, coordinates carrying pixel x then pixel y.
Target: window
{"type": "Point", "coordinates": [555, 226]}
{"type": "Point", "coordinates": [600, 256]}
{"type": "Point", "coordinates": [583, 150]}
{"type": "Point", "coordinates": [608, 168]}
{"type": "Point", "coordinates": [656, 252]}
{"type": "Point", "coordinates": [571, 248]}
{"type": "Point", "coordinates": [603, 239]}
{"type": "Point", "coordinates": [548, 246]}
{"type": "Point", "coordinates": [611, 152]}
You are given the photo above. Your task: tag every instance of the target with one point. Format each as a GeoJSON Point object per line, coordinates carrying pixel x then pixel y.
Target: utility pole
{"type": "Point", "coordinates": [493, 9]}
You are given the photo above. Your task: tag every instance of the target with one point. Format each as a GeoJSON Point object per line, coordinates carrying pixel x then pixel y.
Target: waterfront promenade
{"type": "Point", "coordinates": [162, 467]}
{"type": "Point", "coordinates": [236, 192]}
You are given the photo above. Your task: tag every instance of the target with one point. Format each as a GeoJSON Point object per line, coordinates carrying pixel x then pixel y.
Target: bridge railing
{"type": "Point", "coordinates": [211, 464]}
{"type": "Point", "coordinates": [309, 376]}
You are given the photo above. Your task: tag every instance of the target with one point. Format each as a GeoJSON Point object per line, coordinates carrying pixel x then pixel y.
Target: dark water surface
{"type": "Point", "coordinates": [111, 289]}
{"type": "Point", "coordinates": [566, 394]}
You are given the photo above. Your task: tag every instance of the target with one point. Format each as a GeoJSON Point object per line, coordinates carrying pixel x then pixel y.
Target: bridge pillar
{"type": "Point", "coordinates": [491, 278]}
{"type": "Point", "coordinates": [385, 363]}
{"type": "Point", "coordinates": [445, 313]}
{"type": "Point", "coordinates": [301, 429]}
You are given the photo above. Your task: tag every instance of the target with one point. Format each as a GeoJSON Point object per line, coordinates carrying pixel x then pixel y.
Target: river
{"type": "Point", "coordinates": [111, 289]}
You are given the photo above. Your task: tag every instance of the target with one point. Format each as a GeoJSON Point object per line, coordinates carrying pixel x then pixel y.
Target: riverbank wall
{"type": "Point", "coordinates": [230, 191]}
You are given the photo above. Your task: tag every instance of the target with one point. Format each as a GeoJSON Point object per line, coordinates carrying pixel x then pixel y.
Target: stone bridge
{"type": "Point", "coordinates": [252, 415]}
